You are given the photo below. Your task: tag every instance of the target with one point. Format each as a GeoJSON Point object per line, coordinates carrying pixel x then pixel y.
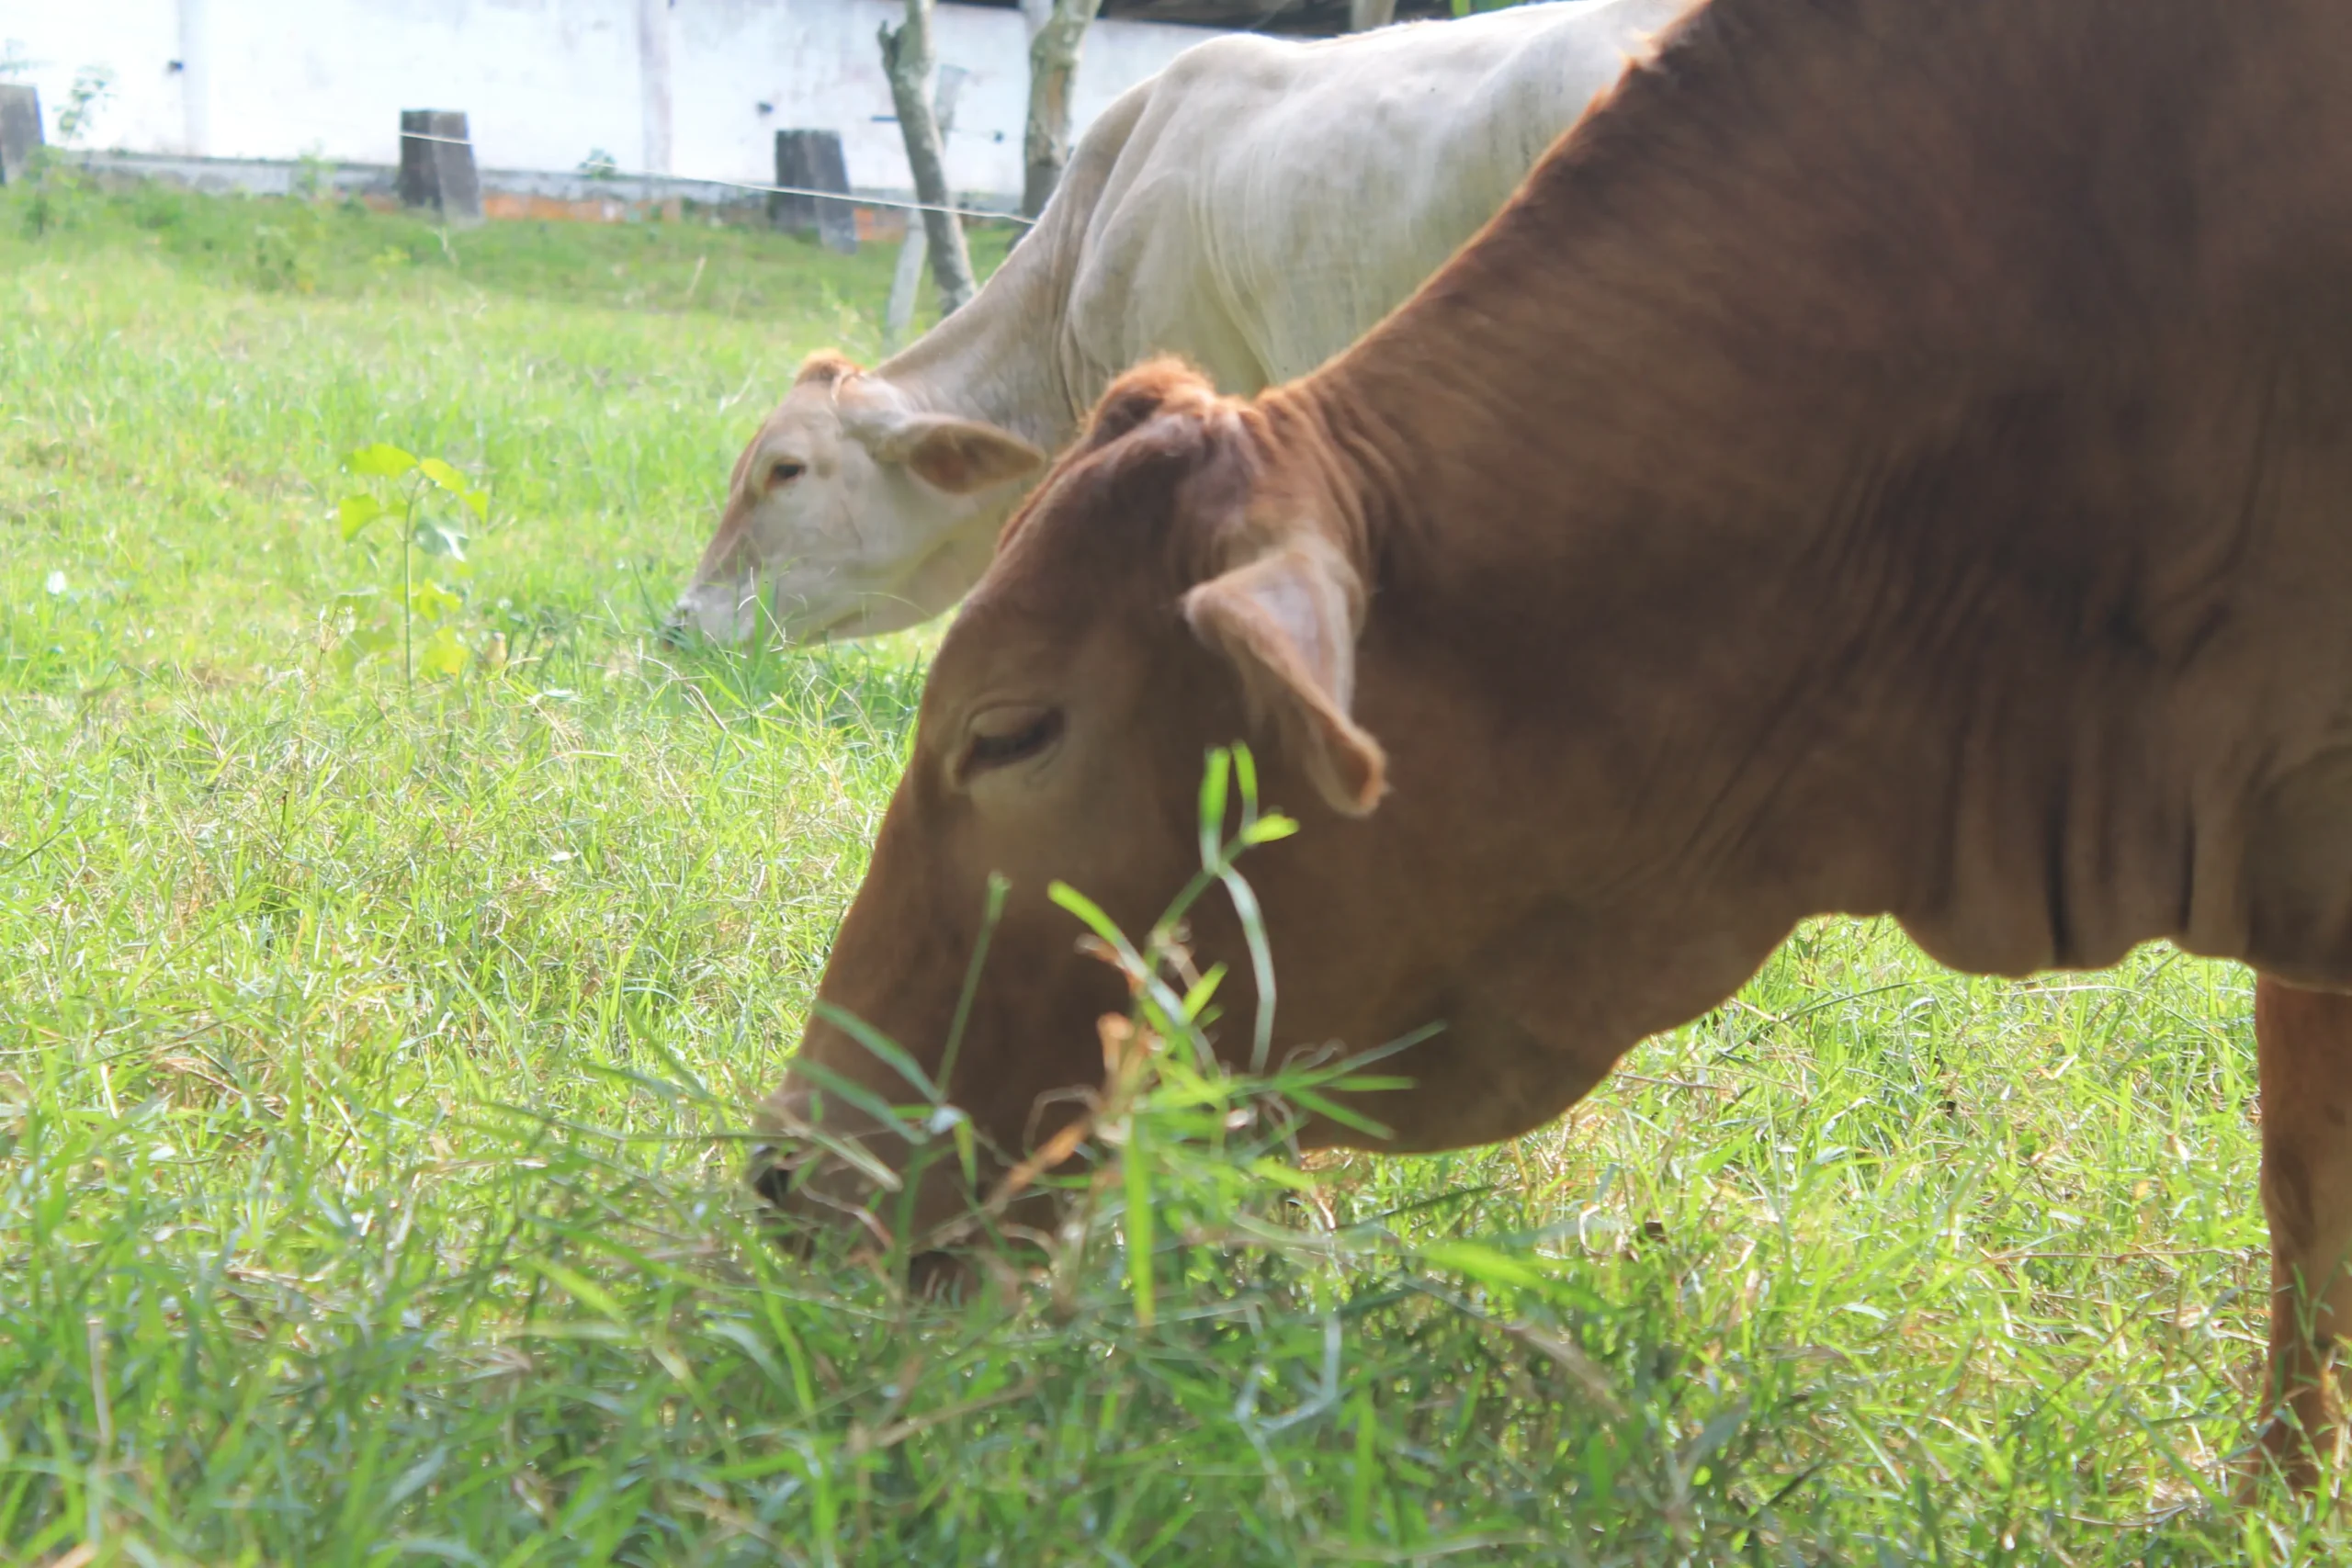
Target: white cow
{"type": "Point", "coordinates": [1255, 207]}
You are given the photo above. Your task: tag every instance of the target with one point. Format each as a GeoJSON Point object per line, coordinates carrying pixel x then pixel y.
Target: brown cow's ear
{"type": "Point", "coordinates": [1288, 622]}
{"type": "Point", "coordinates": [959, 456]}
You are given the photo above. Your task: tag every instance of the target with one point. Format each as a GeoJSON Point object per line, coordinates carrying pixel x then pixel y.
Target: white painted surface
{"type": "Point", "coordinates": [548, 82]}
{"type": "Point", "coordinates": [187, 77]}
{"type": "Point", "coordinates": [653, 18]}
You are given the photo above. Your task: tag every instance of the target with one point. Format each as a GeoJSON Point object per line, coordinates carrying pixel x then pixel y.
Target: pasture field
{"type": "Point", "coordinates": [373, 1060]}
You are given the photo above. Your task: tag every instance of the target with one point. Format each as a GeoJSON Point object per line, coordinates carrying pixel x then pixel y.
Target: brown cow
{"type": "Point", "coordinates": [1892, 455]}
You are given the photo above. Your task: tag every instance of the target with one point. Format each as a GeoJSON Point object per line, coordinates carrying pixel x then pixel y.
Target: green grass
{"type": "Point", "coordinates": [371, 1066]}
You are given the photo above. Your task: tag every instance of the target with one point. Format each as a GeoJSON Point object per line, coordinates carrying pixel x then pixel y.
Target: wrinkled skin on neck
{"type": "Point", "coordinates": [852, 513]}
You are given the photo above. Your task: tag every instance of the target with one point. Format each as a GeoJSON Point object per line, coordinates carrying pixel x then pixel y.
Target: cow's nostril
{"type": "Point", "coordinates": [943, 1276]}
{"type": "Point", "coordinates": [773, 1170]}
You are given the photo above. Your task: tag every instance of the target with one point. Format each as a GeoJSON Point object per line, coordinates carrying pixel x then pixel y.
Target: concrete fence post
{"type": "Point", "coordinates": [437, 165]}
{"type": "Point", "coordinates": [811, 160]}
{"type": "Point", "coordinates": [899, 315]}
{"type": "Point", "coordinates": [19, 129]}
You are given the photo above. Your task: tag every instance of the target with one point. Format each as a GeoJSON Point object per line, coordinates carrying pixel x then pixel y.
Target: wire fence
{"type": "Point", "coordinates": [618, 174]}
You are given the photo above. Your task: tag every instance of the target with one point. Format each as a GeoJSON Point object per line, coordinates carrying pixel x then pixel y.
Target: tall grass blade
{"type": "Point", "coordinates": [992, 911]}
{"type": "Point", "coordinates": [1138, 1220]}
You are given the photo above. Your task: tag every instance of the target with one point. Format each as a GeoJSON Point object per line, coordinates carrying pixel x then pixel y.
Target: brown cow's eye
{"type": "Point", "coordinates": [783, 473]}
{"type": "Point", "coordinates": [1008, 735]}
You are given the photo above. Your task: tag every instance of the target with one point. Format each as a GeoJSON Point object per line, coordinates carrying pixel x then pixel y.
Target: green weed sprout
{"type": "Point", "coordinates": [424, 488]}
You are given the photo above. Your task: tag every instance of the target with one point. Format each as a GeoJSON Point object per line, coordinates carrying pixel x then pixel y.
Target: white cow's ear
{"type": "Point", "coordinates": [958, 456]}
{"type": "Point", "coordinates": [1288, 621]}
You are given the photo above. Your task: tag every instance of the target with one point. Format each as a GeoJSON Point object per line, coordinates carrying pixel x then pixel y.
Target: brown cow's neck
{"type": "Point", "coordinates": [1837, 568]}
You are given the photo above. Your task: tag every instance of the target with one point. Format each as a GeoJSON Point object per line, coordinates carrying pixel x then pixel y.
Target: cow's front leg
{"type": "Point", "coordinates": [2303, 1056]}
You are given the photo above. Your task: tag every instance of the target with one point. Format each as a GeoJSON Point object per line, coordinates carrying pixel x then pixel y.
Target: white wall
{"type": "Point", "coordinates": [668, 86]}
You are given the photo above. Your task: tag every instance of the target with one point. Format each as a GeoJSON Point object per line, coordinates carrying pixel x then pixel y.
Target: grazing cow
{"type": "Point", "coordinates": [1891, 456]}
{"type": "Point", "coordinates": [1256, 207]}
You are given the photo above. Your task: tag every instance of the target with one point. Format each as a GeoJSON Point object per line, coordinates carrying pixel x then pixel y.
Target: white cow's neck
{"type": "Point", "coordinates": [992, 360]}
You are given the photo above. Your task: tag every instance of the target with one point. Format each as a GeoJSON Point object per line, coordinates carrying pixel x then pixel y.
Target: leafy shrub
{"type": "Point", "coordinates": [429, 498]}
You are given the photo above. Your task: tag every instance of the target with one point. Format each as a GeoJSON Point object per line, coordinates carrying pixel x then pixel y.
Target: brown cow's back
{"type": "Point", "coordinates": [1939, 411]}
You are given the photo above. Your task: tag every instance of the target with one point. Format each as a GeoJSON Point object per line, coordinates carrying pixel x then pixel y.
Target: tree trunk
{"type": "Point", "coordinates": [1365, 14]}
{"type": "Point", "coordinates": [906, 60]}
{"type": "Point", "coordinates": [898, 316]}
{"type": "Point", "coordinates": [1053, 73]}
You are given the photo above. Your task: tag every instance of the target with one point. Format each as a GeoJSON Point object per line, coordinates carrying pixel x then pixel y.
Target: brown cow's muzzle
{"type": "Point", "coordinates": [893, 1195]}
{"type": "Point", "coordinates": [840, 1165]}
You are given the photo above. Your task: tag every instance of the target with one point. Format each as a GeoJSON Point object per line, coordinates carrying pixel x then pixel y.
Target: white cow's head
{"type": "Point", "coordinates": [853, 512]}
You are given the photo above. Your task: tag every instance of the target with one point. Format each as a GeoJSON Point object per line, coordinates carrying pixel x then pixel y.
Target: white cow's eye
{"type": "Point", "coordinates": [785, 473]}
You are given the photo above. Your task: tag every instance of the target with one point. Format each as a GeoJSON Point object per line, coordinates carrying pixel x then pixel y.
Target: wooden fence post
{"type": "Point", "coordinates": [19, 129]}
{"type": "Point", "coordinates": [437, 165]}
{"type": "Point", "coordinates": [811, 160]}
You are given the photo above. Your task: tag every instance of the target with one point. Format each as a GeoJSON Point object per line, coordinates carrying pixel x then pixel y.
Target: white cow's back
{"type": "Point", "coordinates": [1256, 207]}
{"type": "Point", "coordinates": [1275, 199]}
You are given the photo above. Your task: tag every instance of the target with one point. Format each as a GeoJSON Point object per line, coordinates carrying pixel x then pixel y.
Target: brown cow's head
{"type": "Point", "coordinates": [1158, 597]}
